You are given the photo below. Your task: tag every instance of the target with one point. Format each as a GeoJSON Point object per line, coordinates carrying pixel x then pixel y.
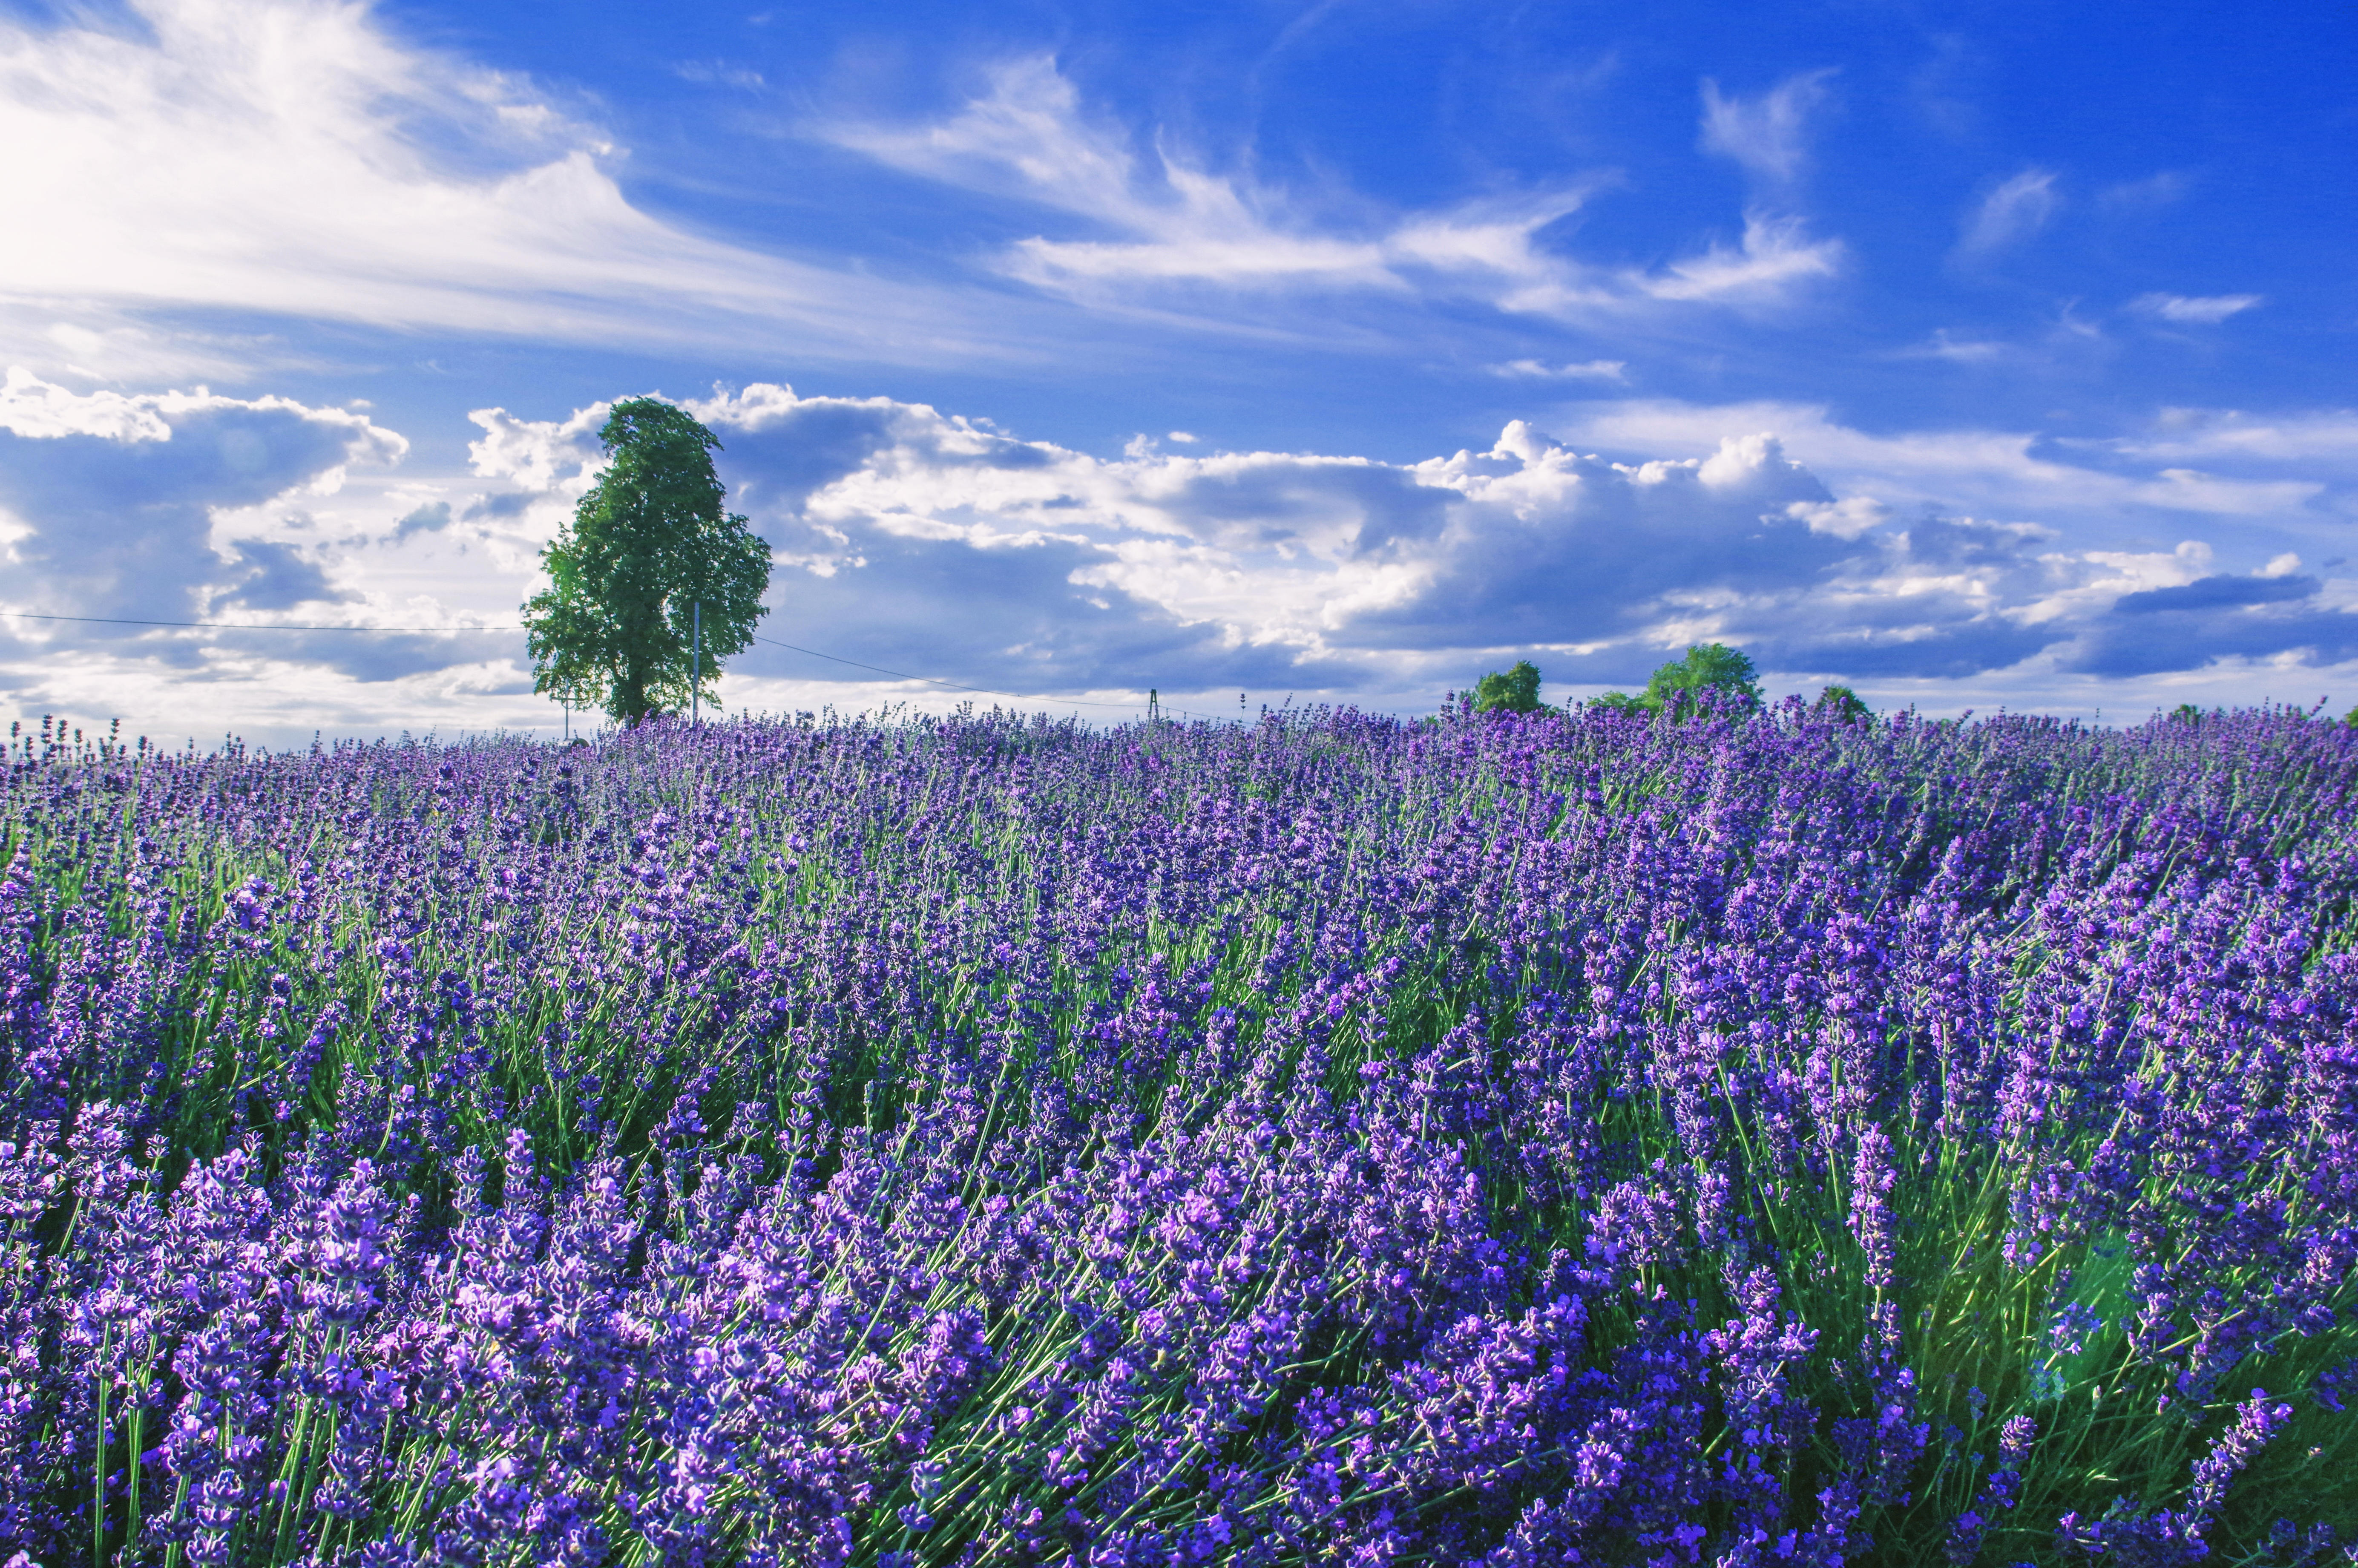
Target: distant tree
{"type": "Point", "coordinates": [2187, 713]}
{"type": "Point", "coordinates": [2351, 718]}
{"type": "Point", "coordinates": [650, 542]}
{"type": "Point", "coordinates": [1516, 691]}
{"type": "Point", "coordinates": [1707, 666]}
{"type": "Point", "coordinates": [1841, 703]}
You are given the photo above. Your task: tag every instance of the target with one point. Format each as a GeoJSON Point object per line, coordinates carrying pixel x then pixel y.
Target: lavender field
{"type": "Point", "coordinates": [1505, 1141]}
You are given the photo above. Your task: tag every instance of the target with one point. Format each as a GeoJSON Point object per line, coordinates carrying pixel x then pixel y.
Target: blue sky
{"type": "Point", "coordinates": [1974, 356]}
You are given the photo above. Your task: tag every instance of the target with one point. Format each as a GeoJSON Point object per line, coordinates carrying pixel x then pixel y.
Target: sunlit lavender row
{"type": "Point", "coordinates": [1761, 1138]}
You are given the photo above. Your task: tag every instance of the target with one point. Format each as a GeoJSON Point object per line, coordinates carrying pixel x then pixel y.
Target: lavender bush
{"type": "Point", "coordinates": [1765, 1138]}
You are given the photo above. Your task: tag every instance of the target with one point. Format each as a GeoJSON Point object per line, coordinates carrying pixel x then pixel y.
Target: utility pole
{"type": "Point", "coordinates": [696, 669]}
{"type": "Point", "coordinates": [1154, 706]}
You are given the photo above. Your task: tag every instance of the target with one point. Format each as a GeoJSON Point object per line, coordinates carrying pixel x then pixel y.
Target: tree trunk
{"type": "Point", "coordinates": [634, 694]}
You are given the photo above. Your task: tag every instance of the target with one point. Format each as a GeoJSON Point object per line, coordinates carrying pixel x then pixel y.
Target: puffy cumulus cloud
{"type": "Point", "coordinates": [194, 506]}
{"type": "Point", "coordinates": [278, 575]}
{"type": "Point", "coordinates": [1543, 545]}
{"type": "Point", "coordinates": [1166, 221]}
{"type": "Point", "coordinates": [116, 497]}
{"type": "Point", "coordinates": [2052, 590]}
{"type": "Point", "coordinates": [296, 157]}
{"type": "Point", "coordinates": [2088, 485]}
{"type": "Point", "coordinates": [908, 537]}
{"type": "Point", "coordinates": [913, 539]}
{"type": "Point", "coordinates": [2259, 615]}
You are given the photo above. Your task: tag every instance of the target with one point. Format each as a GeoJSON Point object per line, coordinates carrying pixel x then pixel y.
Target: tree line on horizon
{"type": "Point", "coordinates": [1710, 670]}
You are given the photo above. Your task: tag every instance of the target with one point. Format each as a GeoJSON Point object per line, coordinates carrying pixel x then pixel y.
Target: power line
{"type": "Point", "coordinates": [238, 625]}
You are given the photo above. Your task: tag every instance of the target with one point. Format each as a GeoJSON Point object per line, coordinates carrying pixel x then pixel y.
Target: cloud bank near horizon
{"type": "Point", "coordinates": [896, 523]}
{"type": "Point", "coordinates": [915, 539]}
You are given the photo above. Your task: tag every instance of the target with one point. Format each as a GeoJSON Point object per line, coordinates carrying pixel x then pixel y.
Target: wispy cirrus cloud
{"type": "Point", "coordinates": [298, 158]}
{"type": "Point", "coordinates": [1169, 220]}
{"type": "Point", "coordinates": [2014, 212]}
{"type": "Point", "coordinates": [1769, 134]}
{"type": "Point", "coordinates": [2324, 439]}
{"type": "Point", "coordinates": [720, 73]}
{"type": "Point", "coordinates": [2197, 310]}
{"type": "Point", "coordinates": [1584, 370]}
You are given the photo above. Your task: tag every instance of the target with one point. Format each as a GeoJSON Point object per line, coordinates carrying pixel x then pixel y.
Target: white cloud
{"type": "Point", "coordinates": [294, 157]}
{"type": "Point", "coordinates": [33, 407]}
{"type": "Point", "coordinates": [1998, 471]}
{"type": "Point", "coordinates": [720, 73]}
{"type": "Point", "coordinates": [2101, 489]}
{"type": "Point", "coordinates": [1946, 345]}
{"type": "Point", "coordinates": [2015, 212]}
{"type": "Point", "coordinates": [191, 505]}
{"type": "Point", "coordinates": [2181, 435]}
{"type": "Point", "coordinates": [2147, 195]}
{"type": "Point", "coordinates": [94, 341]}
{"type": "Point", "coordinates": [1845, 519]}
{"type": "Point", "coordinates": [1766, 134]}
{"type": "Point", "coordinates": [2189, 490]}
{"type": "Point", "coordinates": [913, 539]}
{"type": "Point", "coordinates": [1775, 253]}
{"type": "Point", "coordinates": [536, 454]}
{"type": "Point", "coordinates": [182, 505]}
{"type": "Point", "coordinates": [2206, 311]}
{"type": "Point", "coordinates": [1586, 370]}
{"type": "Point", "coordinates": [1175, 222]}
{"type": "Point", "coordinates": [913, 535]}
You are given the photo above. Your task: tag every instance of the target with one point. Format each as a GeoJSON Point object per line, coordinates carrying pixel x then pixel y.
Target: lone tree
{"type": "Point", "coordinates": [1516, 691]}
{"type": "Point", "coordinates": [649, 551]}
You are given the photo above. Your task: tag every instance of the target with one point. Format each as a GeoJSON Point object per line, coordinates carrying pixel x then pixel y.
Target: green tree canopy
{"type": "Point", "coordinates": [1516, 691]}
{"type": "Point", "coordinates": [1840, 702]}
{"type": "Point", "coordinates": [1707, 666]}
{"type": "Point", "coordinates": [650, 542]}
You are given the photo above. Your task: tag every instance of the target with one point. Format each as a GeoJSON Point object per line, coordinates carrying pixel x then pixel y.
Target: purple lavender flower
{"type": "Point", "coordinates": [982, 1139]}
